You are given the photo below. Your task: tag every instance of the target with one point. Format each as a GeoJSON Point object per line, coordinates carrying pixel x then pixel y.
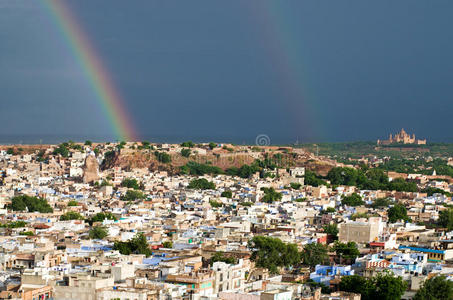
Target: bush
{"type": "Point", "coordinates": [188, 144]}
{"type": "Point", "coordinates": [194, 168]}
{"type": "Point", "coordinates": [295, 185]}
{"type": "Point", "coordinates": [62, 150]}
{"type": "Point", "coordinates": [167, 244]}
{"type": "Point", "coordinates": [220, 256]}
{"type": "Point", "coordinates": [14, 224]}
{"type": "Point", "coordinates": [73, 203]}
{"type": "Point", "coordinates": [27, 233]}
{"type": "Point", "coordinates": [162, 157]}
{"type": "Point", "coordinates": [185, 152]}
{"type": "Point", "coordinates": [71, 215]}
{"type": "Point", "coordinates": [215, 204]}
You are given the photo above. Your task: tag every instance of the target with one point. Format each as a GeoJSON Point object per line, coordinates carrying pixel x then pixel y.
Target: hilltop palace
{"type": "Point", "coordinates": [402, 137]}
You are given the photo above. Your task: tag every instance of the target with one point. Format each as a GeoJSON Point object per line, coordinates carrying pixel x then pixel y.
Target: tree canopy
{"type": "Point", "coordinates": [372, 179]}
{"type": "Point", "coordinates": [315, 254]}
{"type": "Point", "coordinates": [71, 215]}
{"type": "Point", "coordinates": [136, 245]}
{"type": "Point", "coordinates": [131, 183]}
{"type": "Point", "coordinates": [352, 200]}
{"type": "Point", "coordinates": [220, 256]}
{"type": "Point", "coordinates": [162, 157]}
{"type": "Point", "coordinates": [435, 288]}
{"type": "Point", "coordinates": [383, 286]}
{"type": "Point", "coordinates": [201, 184]}
{"type": "Point", "coordinates": [98, 233]}
{"type": "Point", "coordinates": [132, 195]}
{"type": "Point", "coordinates": [271, 253]}
{"type": "Point", "coordinates": [397, 212]}
{"type": "Point", "coordinates": [31, 204]}
{"type": "Point", "coordinates": [270, 195]}
{"type": "Point", "coordinates": [347, 250]}
{"type": "Point", "coordinates": [446, 218]}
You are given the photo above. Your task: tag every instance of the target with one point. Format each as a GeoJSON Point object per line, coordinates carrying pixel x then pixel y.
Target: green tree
{"type": "Point", "coordinates": [359, 216]}
{"type": "Point", "coordinates": [99, 217]}
{"type": "Point", "coordinates": [194, 168]}
{"type": "Point", "coordinates": [136, 245]}
{"type": "Point", "coordinates": [132, 195]}
{"type": "Point", "coordinates": [88, 143]}
{"type": "Point", "coordinates": [352, 200]}
{"type": "Point", "coordinates": [227, 194]}
{"type": "Point", "coordinates": [201, 184]}
{"type": "Point", "coordinates": [381, 202]}
{"type": "Point", "coordinates": [270, 195]}
{"type": "Point", "coordinates": [62, 150]}
{"type": "Point", "coordinates": [32, 204]}
{"type": "Point", "coordinates": [220, 256]}
{"type": "Point", "coordinates": [295, 185]}
{"type": "Point", "coordinates": [27, 233]}
{"type": "Point", "coordinates": [383, 286]}
{"type": "Point", "coordinates": [188, 144]}
{"type": "Point", "coordinates": [388, 287]}
{"type": "Point", "coordinates": [397, 212]}
{"type": "Point", "coordinates": [435, 288]}
{"type": "Point", "coordinates": [98, 233]}
{"type": "Point", "coordinates": [315, 254]}
{"type": "Point", "coordinates": [10, 151]}
{"type": "Point", "coordinates": [71, 215]}
{"type": "Point", "coordinates": [331, 229]}
{"type": "Point", "coordinates": [357, 284]}
{"type": "Point", "coordinates": [446, 218]}
{"type": "Point", "coordinates": [328, 210]}
{"type": "Point", "coordinates": [311, 179]}
{"type": "Point", "coordinates": [167, 244]}
{"type": "Point", "coordinates": [131, 183]}
{"type": "Point", "coordinates": [73, 203]}
{"type": "Point", "coordinates": [162, 157]}
{"type": "Point", "coordinates": [14, 224]}
{"type": "Point", "coordinates": [212, 145]}
{"type": "Point", "coordinates": [272, 253]}
{"type": "Point", "coordinates": [215, 204]}
{"type": "Point", "coordinates": [186, 152]}
{"type": "Point", "coordinates": [348, 251]}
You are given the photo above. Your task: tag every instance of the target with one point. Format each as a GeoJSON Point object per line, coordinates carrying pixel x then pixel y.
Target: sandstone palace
{"type": "Point", "coordinates": [402, 138]}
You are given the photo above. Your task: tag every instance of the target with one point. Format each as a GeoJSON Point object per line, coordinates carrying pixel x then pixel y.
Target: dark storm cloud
{"type": "Point", "coordinates": [203, 69]}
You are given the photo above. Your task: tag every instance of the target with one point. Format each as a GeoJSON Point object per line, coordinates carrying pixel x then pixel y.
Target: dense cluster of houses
{"type": "Point", "coordinates": [45, 256]}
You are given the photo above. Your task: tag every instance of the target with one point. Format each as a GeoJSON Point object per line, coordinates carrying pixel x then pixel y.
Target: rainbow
{"type": "Point", "coordinates": [110, 99]}
{"type": "Point", "coordinates": [286, 52]}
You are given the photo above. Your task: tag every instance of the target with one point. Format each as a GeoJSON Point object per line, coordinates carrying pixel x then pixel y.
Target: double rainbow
{"type": "Point", "coordinates": [108, 96]}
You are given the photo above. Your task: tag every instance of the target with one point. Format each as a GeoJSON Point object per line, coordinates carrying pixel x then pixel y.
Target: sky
{"type": "Point", "coordinates": [231, 70]}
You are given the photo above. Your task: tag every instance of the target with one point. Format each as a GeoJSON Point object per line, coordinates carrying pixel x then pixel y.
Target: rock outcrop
{"type": "Point", "coordinates": [91, 169]}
